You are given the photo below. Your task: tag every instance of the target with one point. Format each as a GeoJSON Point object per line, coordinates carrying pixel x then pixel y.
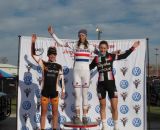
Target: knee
{"type": "Point", "coordinates": [103, 105]}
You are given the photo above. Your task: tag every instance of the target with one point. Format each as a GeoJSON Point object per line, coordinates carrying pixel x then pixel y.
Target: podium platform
{"type": "Point", "coordinates": [89, 125]}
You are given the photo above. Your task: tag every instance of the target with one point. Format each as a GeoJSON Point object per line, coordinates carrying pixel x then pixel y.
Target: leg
{"type": "Point", "coordinates": [114, 103]}
{"type": "Point", "coordinates": [44, 107]}
{"type": "Point", "coordinates": [54, 102]}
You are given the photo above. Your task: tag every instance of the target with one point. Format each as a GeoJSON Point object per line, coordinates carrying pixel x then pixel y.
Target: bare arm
{"type": "Point", "coordinates": [33, 51]}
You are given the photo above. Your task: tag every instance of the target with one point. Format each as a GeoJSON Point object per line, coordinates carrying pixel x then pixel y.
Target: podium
{"type": "Point", "coordinates": [80, 126]}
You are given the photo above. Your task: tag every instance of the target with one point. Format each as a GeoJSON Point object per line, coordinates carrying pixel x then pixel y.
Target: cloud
{"type": "Point", "coordinates": [121, 19]}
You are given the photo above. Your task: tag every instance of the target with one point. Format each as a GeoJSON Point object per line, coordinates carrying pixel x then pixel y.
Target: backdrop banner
{"type": "Point", "coordinates": [130, 75]}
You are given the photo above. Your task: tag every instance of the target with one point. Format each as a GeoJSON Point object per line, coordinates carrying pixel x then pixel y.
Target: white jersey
{"type": "Point", "coordinates": [81, 55]}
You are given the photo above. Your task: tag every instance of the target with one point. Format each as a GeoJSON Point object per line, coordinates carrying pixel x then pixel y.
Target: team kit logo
{"type": "Point", "coordinates": [25, 116]}
{"type": "Point", "coordinates": [124, 84]}
{"type": "Point", "coordinates": [124, 70]}
{"type": "Point", "coordinates": [63, 106]}
{"type": "Point", "coordinates": [136, 108]}
{"type": "Point", "coordinates": [124, 109]}
{"type": "Point", "coordinates": [124, 95]}
{"type": "Point", "coordinates": [124, 121]}
{"type": "Point", "coordinates": [136, 83]}
{"type": "Point", "coordinates": [136, 71]}
{"type": "Point", "coordinates": [27, 91]}
{"type": "Point", "coordinates": [49, 118]}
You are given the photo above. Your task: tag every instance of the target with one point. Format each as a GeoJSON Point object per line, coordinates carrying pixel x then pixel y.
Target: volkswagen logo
{"type": "Point", "coordinates": [136, 96]}
{"type": "Point", "coordinates": [137, 122]}
{"type": "Point", "coordinates": [136, 71]}
{"type": "Point", "coordinates": [124, 109]}
{"type": "Point", "coordinates": [26, 105]}
{"type": "Point", "coordinates": [37, 118]}
{"type": "Point", "coordinates": [97, 109]}
{"type": "Point", "coordinates": [124, 84]}
{"type": "Point", "coordinates": [110, 122]}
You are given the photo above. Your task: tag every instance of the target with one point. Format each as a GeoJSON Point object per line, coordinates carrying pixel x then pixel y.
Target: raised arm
{"type": "Point", "coordinates": [33, 50]}
{"type": "Point", "coordinates": [127, 52]}
{"type": "Point", "coordinates": [51, 32]}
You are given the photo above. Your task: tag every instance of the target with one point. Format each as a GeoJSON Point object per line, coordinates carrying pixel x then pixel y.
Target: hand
{"type": "Point", "coordinates": [50, 30]}
{"type": "Point", "coordinates": [136, 44]}
{"type": "Point", "coordinates": [63, 94]}
{"type": "Point", "coordinates": [34, 37]}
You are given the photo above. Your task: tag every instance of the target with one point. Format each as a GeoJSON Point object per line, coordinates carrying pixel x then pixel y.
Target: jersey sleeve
{"type": "Point", "coordinates": [93, 63]}
{"type": "Point", "coordinates": [124, 55]}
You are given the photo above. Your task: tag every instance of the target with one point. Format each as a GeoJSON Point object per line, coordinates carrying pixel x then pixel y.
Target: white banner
{"type": "Point", "coordinates": [130, 78]}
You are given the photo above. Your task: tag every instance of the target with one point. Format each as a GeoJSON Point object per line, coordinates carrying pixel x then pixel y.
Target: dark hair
{"type": "Point", "coordinates": [51, 50]}
{"type": "Point", "coordinates": [103, 42]}
{"type": "Point", "coordinates": [85, 44]}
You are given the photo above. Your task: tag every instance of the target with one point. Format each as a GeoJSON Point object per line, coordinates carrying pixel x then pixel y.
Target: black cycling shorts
{"type": "Point", "coordinates": [49, 94]}
{"type": "Point", "coordinates": [108, 86]}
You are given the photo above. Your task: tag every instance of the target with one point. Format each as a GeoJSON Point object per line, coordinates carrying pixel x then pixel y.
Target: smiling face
{"type": "Point", "coordinates": [52, 57]}
{"type": "Point", "coordinates": [82, 37]}
{"type": "Point", "coordinates": [103, 47]}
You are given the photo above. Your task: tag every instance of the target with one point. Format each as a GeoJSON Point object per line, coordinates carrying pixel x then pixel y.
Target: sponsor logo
{"type": "Point", "coordinates": [97, 108]}
{"type": "Point", "coordinates": [63, 106]}
{"type": "Point", "coordinates": [39, 51]}
{"type": "Point", "coordinates": [136, 96]}
{"type": "Point", "coordinates": [28, 79]}
{"type": "Point", "coordinates": [39, 69]}
{"type": "Point", "coordinates": [38, 93]}
{"type": "Point", "coordinates": [124, 120]}
{"type": "Point", "coordinates": [124, 84]}
{"type": "Point", "coordinates": [136, 71]}
{"type": "Point", "coordinates": [65, 70]}
{"type": "Point", "coordinates": [36, 128]}
{"type": "Point", "coordinates": [124, 95]}
{"type": "Point", "coordinates": [110, 122]}
{"type": "Point", "coordinates": [61, 119]}
{"type": "Point", "coordinates": [27, 91]}
{"type": "Point", "coordinates": [49, 107]}
{"type": "Point", "coordinates": [25, 116]}
{"type": "Point", "coordinates": [137, 122]}
{"type": "Point", "coordinates": [89, 96]}
{"type": "Point", "coordinates": [26, 105]}
{"type": "Point", "coordinates": [136, 108]}
{"type": "Point", "coordinates": [136, 83]}
{"type": "Point", "coordinates": [38, 106]}
{"type": "Point", "coordinates": [39, 79]}
{"type": "Point", "coordinates": [124, 70]}
{"type": "Point", "coordinates": [124, 109]}
{"type": "Point", "coordinates": [114, 71]}
{"type": "Point", "coordinates": [29, 66]}
{"type": "Point", "coordinates": [49, 118]}
{"type": "Point", "coordinates": [37, 118]}
{"type": "Point", "coordinates": [24, 128]}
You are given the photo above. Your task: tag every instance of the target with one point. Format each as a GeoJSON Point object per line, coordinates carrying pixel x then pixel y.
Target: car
{"type": "Point", "coordinates": [5, 106]}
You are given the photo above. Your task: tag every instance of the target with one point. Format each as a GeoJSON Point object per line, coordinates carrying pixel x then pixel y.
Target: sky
{"type": "Point", "coordinates": [118, 19]}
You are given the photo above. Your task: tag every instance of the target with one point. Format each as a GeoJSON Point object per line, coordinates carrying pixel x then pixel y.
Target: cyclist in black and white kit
{"type": "Point", "coordinates": [106, 81]}
{"type": "Point", "coordinates": [52, 73]}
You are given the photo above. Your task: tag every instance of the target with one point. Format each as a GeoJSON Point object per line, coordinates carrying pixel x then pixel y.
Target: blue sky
{"type": "Point", "coordinates": [118, 19]}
